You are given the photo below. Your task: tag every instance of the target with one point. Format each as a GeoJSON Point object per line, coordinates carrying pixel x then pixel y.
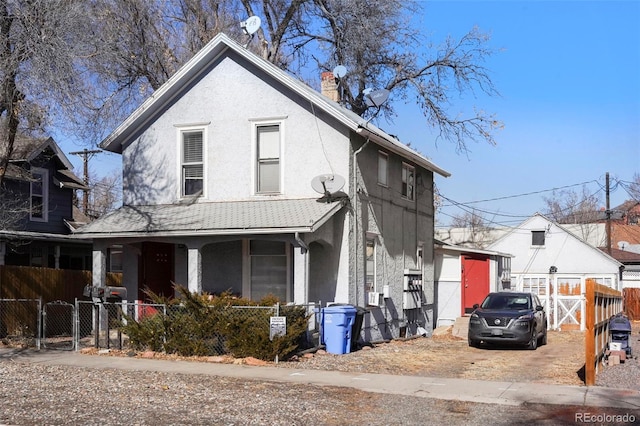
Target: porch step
{"type": "Point", "coordinates": [461, 327]}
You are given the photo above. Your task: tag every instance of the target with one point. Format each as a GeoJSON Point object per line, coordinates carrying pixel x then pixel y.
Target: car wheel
{"type": "Point", "coordinates": [533, 343]}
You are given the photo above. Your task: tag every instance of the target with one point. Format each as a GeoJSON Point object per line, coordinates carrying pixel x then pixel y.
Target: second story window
{"type": "Point", "coordinates": [39, 195]}
{"type": "Point", "coordinates": [268, 158]}
{"type": "Point", "coordinates": [192, 165]}
{"type": "Point", "coordinates": [383, 168]}
{"type": "Point", "coordinates": [408, 179]}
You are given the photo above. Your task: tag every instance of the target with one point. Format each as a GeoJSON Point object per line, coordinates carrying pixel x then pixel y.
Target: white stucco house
{"type": "Point", "coordinates": [218, 168]}
{"type": "Point", "coordinates": [554, 263]}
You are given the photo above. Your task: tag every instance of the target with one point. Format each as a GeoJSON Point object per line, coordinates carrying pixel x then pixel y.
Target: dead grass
{"type": "Point", "coordinates": [558, 362]}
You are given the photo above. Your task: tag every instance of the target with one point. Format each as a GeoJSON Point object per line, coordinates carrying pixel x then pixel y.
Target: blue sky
{"type": "Point", "coordinates": [569, 78]}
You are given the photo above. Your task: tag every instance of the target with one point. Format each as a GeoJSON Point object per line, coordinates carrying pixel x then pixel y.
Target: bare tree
{"type": "Point", "coordinates": [14, 206]}
{"type": "Point", "coordinates": [141, 43]}
{"type": "Point", "coordinates": [40, 40]}
{"type": "Point", "coordinates": [568, 206]}
{"type": "Point", "coordinates": [634, 187]}
{"type": "Point", "coordinates": [105, 194]}
{"type": "Point", "coordinates": [476, 227]}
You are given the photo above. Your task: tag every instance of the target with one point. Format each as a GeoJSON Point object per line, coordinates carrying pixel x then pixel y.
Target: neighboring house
{"type": "Point", "coordinates": [41, 182]}
{"type": "Point", "coordinates": [627, 213]}
{"type": "Point", "coordinates": [554, 263]}
{"type": "Point", "coordinates": [218, 168]}
{"type": "Point", "coordinates": [464, 276]}
{"type": "Point", "coordinates": [625, 248]}
{"type": "Point", "coordinates": [592, 233]}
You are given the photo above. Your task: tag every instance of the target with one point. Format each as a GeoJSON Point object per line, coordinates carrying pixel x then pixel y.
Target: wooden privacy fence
{"type": "Point", "coordinates": [602, 303]}
{"type": "Point", "coordinates": [632, 303]}
{"type": "Point", "coordinates": [24, 282]}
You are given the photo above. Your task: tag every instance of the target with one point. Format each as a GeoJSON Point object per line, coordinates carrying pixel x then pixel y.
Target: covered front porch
{"type": "Point", "coordinates": [295, 250]}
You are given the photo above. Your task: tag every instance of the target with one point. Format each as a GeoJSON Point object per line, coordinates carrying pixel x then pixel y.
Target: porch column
{"type": "Point", "coordinates": [301, 275]}
{"type": "Point", "coordinates": [194, 270]}
{"type": "Point", "coordinates": [99, 276]}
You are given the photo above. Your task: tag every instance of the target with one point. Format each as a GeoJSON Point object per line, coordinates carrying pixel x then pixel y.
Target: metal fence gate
{"type": "Point", "coordinates": [58, 325]}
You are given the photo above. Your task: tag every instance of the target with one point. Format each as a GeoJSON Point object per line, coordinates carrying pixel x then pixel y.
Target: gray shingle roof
{"type": "Point", "coordinates": [213, 218]}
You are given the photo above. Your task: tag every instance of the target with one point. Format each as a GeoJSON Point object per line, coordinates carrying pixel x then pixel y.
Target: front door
{"type": "Point", "coordinates": [475, 281]}
{"type": "Point", "coordinates": [156, 269]}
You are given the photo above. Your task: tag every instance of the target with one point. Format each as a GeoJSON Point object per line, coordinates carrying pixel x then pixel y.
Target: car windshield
{"type": "Point", "coordinates": [502, 301]}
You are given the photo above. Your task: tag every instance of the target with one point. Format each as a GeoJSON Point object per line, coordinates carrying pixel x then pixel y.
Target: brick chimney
{"type": "Point", "coordinates": [328, 86]}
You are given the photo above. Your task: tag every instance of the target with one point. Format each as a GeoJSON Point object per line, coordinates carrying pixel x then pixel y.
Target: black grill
{"type": "Point", "coordinates": [497, 321]}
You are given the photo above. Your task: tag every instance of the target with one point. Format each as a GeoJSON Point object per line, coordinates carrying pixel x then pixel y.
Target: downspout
{"type": "Point", "coordinates": [355, 217]}
{"type": "Point", "coordinates": [302, 244]}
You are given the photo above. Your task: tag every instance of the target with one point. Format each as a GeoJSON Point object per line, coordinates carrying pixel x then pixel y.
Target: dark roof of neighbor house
{"type": "Point", "coordinates": [26, 149]}
{"type": "Point", "coordinates": [214, 218]}
{"type": "Point", "coordinates": [198, 66]}
{"type": "Point", "coordinates": [79, 219]}
{"type": "Point", "coordinates": [627, 205]}
{"type": "Point", "coordinates": [623, 256]}
{"type": "Point", "coordinates": [42, 236]}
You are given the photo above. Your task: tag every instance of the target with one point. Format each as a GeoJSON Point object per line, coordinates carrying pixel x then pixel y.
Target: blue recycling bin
{"type": "Point", "coordinates": [336, 326]}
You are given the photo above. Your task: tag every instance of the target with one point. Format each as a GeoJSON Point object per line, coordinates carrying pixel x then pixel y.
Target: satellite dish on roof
{"type": "Point", "coordinates": [251, 25]}
{"type": "Point", "coordinates": [340, 71]}
{"type": "Point", "coordinates": [327, 185]}
{"type": "Point", "coordinates": [376, 98]}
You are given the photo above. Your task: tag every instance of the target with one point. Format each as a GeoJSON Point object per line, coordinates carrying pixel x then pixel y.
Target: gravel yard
{"type": "Point", "coordinates": [34, 394]}
{"type": "Point", "coordinates": [560, 362]}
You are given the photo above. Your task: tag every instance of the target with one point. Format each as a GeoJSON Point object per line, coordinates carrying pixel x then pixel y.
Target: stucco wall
{"type": "Point", "coordinates": [225, 103]}
{"type": "Point", "coordinates": [398, 226]}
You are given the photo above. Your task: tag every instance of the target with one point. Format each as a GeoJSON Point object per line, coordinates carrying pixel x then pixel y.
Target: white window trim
{"type": "Point", "coordinates": [45, 196]}
{"type": "Point", "coordinates": [413, 192]}
{"type": "Point", "coordinates": [386, 171]}
{"type": "Point", "coordinates": [255, 123]}
{"type": "Point", "coordinates": [183, 128]}
{"type": "Point", "coordinates": [374, 238]}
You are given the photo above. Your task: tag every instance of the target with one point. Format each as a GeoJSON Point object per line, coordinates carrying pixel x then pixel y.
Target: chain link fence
{"type": "Point", "coordinates": [61, 325]}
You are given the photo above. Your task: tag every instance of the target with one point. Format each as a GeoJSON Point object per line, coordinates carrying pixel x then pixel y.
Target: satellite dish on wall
{"type": "Point", "coordinates": [340, 71]}
{"type": "Point", "coordinates": [251, 25]}
{"type": "Point", "coordinates": [328, 185]}
{"type": "Point", "coordinates": [376, 98]}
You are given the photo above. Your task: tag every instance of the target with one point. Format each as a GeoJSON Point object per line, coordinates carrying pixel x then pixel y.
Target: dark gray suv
{"type": "Point", "coordinates": [509, 318]}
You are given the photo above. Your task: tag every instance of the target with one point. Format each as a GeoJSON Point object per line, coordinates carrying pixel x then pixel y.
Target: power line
{"type": "Point", "coordinates": [506, 197]}
{"type": "Point", "coordinates": [468, 208]}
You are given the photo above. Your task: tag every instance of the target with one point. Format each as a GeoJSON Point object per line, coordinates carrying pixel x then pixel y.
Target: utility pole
{"type": "Point", "coordinates": [86, 154]}
{"type": "Point", "coordinates": [608, 213]}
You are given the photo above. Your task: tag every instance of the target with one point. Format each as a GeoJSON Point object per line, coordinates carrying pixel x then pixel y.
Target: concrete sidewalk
{"type": "Point", "coordinates": [506, 393]}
